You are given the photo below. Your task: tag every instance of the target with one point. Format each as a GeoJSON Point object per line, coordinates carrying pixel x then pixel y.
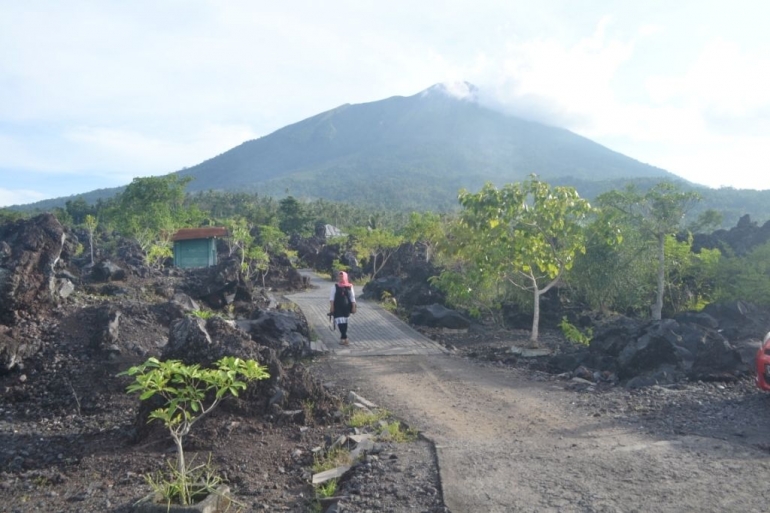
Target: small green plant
{"type": "Point", "coordinates": [335, 457]}
{"type": "Point", "coordinates": [395, 432]}
{"type": "Point", "coordinates": [363, 418]}
{"type": "Point", "coordinates": [190, 393]}
{"type": "Point", "coordinates": [388, 302]}
{"type": "Point", "coordinates": [158, 253]}
{"type": "Point", "coordinates": [308, 407]}
{"type": "Point", "coordinates": [573, 333]}
{"type": "Point", "coordinates": [202, 479]}
{"type": "Point", "coordinates": [41, 481]}
{"type": "Point", "coordinates": [337, 267]}
{"type": "Point", "coordinates": [327, 489]}
{"type": "Point", "coordinates": [203, 314]}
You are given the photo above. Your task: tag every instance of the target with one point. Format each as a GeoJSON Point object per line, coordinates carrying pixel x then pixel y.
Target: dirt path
{"type": "Point", "coordinates": [506, 442]}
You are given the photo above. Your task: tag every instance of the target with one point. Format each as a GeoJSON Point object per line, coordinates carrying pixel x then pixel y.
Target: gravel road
{"type": "Point", "coordinates": [510, 440]}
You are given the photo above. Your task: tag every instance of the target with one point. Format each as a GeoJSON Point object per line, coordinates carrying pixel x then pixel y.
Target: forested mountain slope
{"type": "Point", "coordinates": [411, 151]}
{"type": "Point", "coordinates": [417, 152]}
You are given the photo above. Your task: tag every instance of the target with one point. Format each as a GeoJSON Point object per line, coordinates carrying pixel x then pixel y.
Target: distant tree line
{"type": "Point", "coordinates": [629, 251]}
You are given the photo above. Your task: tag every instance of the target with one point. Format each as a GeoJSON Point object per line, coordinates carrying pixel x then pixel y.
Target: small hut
{"type": "Point", "coordinates": [197, 247]}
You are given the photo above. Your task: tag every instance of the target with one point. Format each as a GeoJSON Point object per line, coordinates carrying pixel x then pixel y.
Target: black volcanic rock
{"type": "Point", "coordinates": [31, 251]}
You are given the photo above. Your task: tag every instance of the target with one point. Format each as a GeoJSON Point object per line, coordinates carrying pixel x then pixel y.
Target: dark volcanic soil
{"type": "Point", "coordinates": [68, 441]}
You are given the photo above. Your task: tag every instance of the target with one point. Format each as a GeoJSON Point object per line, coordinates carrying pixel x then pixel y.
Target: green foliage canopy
{"type": "Point", "coordinates": [525, 234]}
{"type": "Point", "coordinates": [656, 213]}
{"type": "Point", "coordinates": [190, 392]}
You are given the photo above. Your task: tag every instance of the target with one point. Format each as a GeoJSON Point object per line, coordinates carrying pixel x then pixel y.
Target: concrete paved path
{"type": "Point", "coordinates": [508, 443]}
{"type": "Point", "coordinates": [372, 331]}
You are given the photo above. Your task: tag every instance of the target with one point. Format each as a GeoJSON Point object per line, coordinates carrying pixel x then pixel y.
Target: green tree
{"type": "Point", "coordinates": [657, 213]}
{"type": "Point", "coordinates": [152, 208]}
{"type": "Point", "coordinates": [190, 393]}
{"type": "Point", "coordinates": [690, 277]}
{"type": "Point", "coordinates": [269, 241]}
{"type": "Point", "coordinates": [476, 288]}
{"type": "Point", "coordinates": [425, 229]}
{"type": "Point", "coordinates": [526, 234]}
{"type": "Point", "coordinates": [604, 276]}
{"type": "Point", "coordinates": [292, 217]}
{"type": "Point", "coordinates": [376, 245]}
{"type": "Point", "coordinates": [745, 277]}
{"type": "Point", "coordinates": [78, 209]}
{"type": "Point", "coordinates": [239, 236]}
{"type": "Point", "coordinates": [7, 215]}
{"type": "Point", "coordinates": [90, 223]}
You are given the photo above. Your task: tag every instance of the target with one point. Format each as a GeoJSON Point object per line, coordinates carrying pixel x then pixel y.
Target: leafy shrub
{"type": "Point", "coordinates": [187, 391]}
{"type": "Point", "coordinates": [573, 333]}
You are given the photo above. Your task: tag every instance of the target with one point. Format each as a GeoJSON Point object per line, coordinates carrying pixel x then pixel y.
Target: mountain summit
{"type": "Point", "coordinates": [458, 90]}
{"type": "Point", "coordinates": [414, 151]}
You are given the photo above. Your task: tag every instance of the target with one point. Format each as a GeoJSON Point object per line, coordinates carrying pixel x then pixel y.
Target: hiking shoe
{"type": "Point", "coordinates": [344, 342]}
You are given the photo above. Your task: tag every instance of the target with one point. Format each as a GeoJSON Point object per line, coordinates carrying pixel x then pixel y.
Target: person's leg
{"type": "Point", "coordinates": [343, 326]}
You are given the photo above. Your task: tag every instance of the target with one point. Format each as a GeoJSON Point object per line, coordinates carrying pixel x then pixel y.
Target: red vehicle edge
{"type": "Point", "coordinates": [763, 364]}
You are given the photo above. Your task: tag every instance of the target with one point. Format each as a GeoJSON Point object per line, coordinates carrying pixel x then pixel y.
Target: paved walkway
{"type": "Point", "coordinates": [372, 331]}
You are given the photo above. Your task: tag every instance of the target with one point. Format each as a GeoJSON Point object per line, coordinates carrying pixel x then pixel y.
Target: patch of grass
{"type": "Point", "coordinates": [362, 418]}
{"type": "Point", "coordinates": [388, 302]}
{"type": "Point", "coordinates": [308, 407]}
{"type": "Point", "coordinates": [336, 457]}
{"type": "Point", "coordinates": [41, 481]}
{"type": "Point", "coordinates": [199, 481]}
{"type": "Point", "coordinates": [395, 432]}
{"type": "Point", "coordinates": [203, 314]}
{"type": "Point", "coordinates": [327, 489]}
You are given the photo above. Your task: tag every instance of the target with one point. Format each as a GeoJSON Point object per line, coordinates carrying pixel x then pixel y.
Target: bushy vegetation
{"type": "Point", "coordinates": [630, 251]}
{"type": "Point", "coordinates": [188, 393]}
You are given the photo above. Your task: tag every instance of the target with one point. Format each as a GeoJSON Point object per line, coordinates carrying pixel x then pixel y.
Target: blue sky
{"type": "Point", "coordinates": [93, 94]}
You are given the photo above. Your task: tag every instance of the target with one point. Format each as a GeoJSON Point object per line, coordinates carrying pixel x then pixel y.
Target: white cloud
{"type": "Point", "coordinates": [10, 197]}
{"type": "Point", "coordinates": [552, 82]}
{"type": "Point", "coordinates": [649, 30]}
{"type": "Point", "coordinates": [129, 151]}
{"type": "Point", "coordinates": [118, 90]}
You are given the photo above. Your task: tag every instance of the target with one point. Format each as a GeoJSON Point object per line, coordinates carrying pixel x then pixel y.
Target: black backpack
{"type": "Point", "coordinates": [342, 303]}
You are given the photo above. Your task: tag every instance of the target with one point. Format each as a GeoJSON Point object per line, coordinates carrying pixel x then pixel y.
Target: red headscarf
{"type": "Point", "coordinates": [343, 280]}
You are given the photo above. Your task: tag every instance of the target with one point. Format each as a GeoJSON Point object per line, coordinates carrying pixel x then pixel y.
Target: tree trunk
{"type": "Point", "coordinates": [535, 317]}
{"type": "Point", "coordinates": [374, 265]}
{"type": "Point", "coordinates": [181, 468]}
{"type": "Point", "coordinates": [657, 309]}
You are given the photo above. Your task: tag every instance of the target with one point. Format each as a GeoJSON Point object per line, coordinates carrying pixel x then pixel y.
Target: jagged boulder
{"type": "Point", "coordinates": [14, 349]}
{"type": "Point", "coordinates": [218, 286]}
{"type": "Point", "coordinates": [30, 252]}
{"type": "Point", "coordinates": [665, 351]}
{"type": "Point", "coordinates": [740, 239]}
{"type": "Point", "coordinates": [655, 347]}
{"type": "Point", "coordinates": [739, 319]}
{"type": "Point", "coordinates": [717, 360]}
{"type": "Point", "coordinates": [612, 335]}
{"type": "Point", "coordinates": [105, 336]}
{"type": "Point", "coordinates": [284, 331]}
{"type": "Point", "coordinates": [374, 289]}
{"type": "Point", "coordinates": [106, 271]}
{"type": "Point", "coordinates": [184, 302]}
{"type": "Point", "coordinates": [439, 316]}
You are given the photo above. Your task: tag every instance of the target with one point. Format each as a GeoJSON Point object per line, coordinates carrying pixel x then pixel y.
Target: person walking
{"type": "Point", "coordinates": [342, 303]}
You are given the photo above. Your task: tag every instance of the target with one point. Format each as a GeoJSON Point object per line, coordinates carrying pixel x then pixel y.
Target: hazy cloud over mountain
{"type": "Point", "coordinates": [101, 92]}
